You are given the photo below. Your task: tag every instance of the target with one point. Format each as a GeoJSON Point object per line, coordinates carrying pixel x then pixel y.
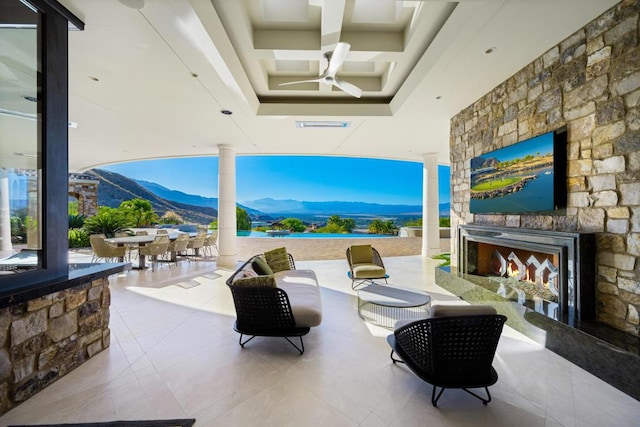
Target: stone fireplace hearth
{"type": "Point", "coordinates": [566, 325]}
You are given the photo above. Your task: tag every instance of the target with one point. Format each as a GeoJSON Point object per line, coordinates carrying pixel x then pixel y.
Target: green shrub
{"type": "Point", "coordinates": [170, 217]}
{"type": "Point", "coordinates": [445, 221]}
{"type": "Point", "coordinates": [138, 212]}
{"type": "Point", "coordinates": [243, 220]}
{"type": "Point", "coordinates": [331, 228]}
{"type": "Point", "coordinates": [378, 226]}
{"type": "Point", "coordinates": [445, 257]}
{"type": "Point", "coordinates": [76, 221]}
{"type": "Point", "coordinates": [294, 224]}
{"type": "Point", "coordinates": [107, 221]}
{"type": "Point", "coordinates": [78, 238]}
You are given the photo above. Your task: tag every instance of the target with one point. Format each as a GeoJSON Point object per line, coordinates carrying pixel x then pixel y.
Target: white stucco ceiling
{"type": "Point", "coordinates": [150, 83]}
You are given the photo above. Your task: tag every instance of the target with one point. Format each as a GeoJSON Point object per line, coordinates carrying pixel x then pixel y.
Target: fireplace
{"type": "Point", "coordinates": [550, 272]}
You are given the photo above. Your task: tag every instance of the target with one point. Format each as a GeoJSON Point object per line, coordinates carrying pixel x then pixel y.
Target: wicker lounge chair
{"type": "Point", "coordinates": [452, 349]}
{"type": "Point", "coordinates": [264, 306]}
{"type": "Point", "coordinates": [365, 265]}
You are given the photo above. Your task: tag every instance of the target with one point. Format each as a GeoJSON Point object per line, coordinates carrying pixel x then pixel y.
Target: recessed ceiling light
{"type": "Point", "coordinates": [194, 75]}
{"type": "Point", "coordinates": [226, 112]}
{"type": "Point", "coordinates": [490, 50]}
{"type": "Point", "coordinates": [439, 97]}
{"type": "Point", "coordinates": [30, 98]}
{"type": "Point", "coordinates": [95, 79]}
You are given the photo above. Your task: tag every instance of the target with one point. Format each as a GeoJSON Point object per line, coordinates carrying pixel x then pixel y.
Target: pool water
{"type": "Point", "coordinates": [312, 235]}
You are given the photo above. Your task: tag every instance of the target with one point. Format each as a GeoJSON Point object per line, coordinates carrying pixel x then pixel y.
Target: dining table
{"type": "Point", "coordinates": [141, 240]}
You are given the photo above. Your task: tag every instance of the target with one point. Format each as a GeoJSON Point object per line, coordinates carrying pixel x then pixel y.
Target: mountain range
{"type": "Point", "coordinates": [115, 188]}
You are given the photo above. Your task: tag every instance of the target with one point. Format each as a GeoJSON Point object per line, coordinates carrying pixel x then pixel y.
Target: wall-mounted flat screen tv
{"type": "Point", "coordinates": [529, 176]}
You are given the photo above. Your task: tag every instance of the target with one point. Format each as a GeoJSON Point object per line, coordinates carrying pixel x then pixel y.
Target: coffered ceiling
{"type": "Point", "coordinates": [149, 78]}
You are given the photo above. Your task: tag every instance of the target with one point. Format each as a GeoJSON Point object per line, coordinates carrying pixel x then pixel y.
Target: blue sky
{"type": "Point", "coordinates": [306, 178]}
{"type": "Point", "coordinates": [542, 144]}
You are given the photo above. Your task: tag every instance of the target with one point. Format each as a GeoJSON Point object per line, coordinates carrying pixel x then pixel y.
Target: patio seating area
{"type": "Point", "coordinates": [174, 354]}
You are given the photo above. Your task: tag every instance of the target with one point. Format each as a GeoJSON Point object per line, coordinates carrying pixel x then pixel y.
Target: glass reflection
{"type": "Point", "coordinates": [20, 139]}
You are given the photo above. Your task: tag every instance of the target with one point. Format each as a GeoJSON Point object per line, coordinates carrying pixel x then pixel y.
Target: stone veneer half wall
{"type": "Point", "coordinates": [590, 83]}
{"type": "Point", "coordinates": [45, 338]}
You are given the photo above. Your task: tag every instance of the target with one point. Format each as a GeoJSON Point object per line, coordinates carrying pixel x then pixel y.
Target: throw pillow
{"type": "Point", "coordinates": [256, 282]}
{"type": "Point", "coordinates": [361, 254]}
{"type": "Point", "coordinates": [261, 267]}
{"type": "Point", "coordinates": [278, 259]}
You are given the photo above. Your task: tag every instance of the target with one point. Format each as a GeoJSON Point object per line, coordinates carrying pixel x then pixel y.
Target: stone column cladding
{"type": "Point", "coordinates": [85, 189]}
{"type": "Point", "coordinates": [590, 83]}
{"type": "Point", "coordinates": [46, 338]}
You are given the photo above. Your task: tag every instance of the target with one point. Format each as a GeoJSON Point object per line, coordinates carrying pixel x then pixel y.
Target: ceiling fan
{"type": "Point", "coordinates": [335, 59]}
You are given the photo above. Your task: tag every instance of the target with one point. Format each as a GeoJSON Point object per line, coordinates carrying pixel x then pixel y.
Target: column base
{"type": "Point", "coordinates": [228, 261]}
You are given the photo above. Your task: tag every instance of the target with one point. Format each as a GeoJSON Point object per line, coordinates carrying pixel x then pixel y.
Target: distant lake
{"type": "Point", "coordinates": [537, 195]}
{"type": "Point", "coordinates": [312, 235]}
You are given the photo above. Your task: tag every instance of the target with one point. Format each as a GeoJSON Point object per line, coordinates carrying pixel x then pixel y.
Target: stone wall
{"type": "Point", "coordinates": [590, 83]}
{"type": "Point", "coordinates": [85, 189]}
{"type": "Point", "coordinates": [46, 338]}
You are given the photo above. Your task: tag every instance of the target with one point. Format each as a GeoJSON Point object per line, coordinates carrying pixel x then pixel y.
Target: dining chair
{"type": "Point", "coordinates": [105, 251]}
{"type": "Point", "coordinates": [210, 242]}
{"type": "Point", "coordinates": [197, 242]}
{"type": "Point", "coordinates": [156, 248]}
{"type": "Point", "coordinates": [177, 247]}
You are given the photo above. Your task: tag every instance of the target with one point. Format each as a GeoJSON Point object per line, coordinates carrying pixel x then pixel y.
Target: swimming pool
{"type": "Point", "coordinates": [312, 235]}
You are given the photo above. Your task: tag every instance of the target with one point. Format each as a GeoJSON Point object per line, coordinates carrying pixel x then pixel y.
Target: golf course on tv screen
{"type": "Point", "coordinates": [516, 179]}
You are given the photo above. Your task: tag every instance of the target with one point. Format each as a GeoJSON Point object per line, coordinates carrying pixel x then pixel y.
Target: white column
{"type": "Point", "coordinates": [227, 244]}
{"type": "Point", "coordinates": [430, 209]}
{"type": "Point", "coordinates": [5, 215]}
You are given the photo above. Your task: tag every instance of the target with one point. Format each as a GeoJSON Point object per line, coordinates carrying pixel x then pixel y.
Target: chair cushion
{"type": "Point", "coordinates": [461, 310]}
{"type": "Point", "coordinates": [256, 282]}
{"type": "Point", "coordinates": [261, 267]}
{"type": "Point", "coordinates": [303, 291]}
{"type": "Point", "coordinates": [367, 271]}
{"type": "Point", "coordinates": [361, 254]}
{"type": "Point", "coordinates": [277, 259]}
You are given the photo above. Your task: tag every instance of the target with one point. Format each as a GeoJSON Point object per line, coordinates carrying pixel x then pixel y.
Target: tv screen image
{"type": "Point", "coordinates": [520, 178]}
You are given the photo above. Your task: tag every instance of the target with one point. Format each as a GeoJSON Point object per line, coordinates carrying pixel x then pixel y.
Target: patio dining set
{"type": "Point", "coordinates": [157, 244]}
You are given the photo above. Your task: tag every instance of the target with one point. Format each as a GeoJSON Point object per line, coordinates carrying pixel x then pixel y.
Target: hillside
{"type": "Point", "coordinates": [189, 199]}
{"type": "Point", "coordinates": [115, 188]}
{"type": "Point", "coordinates": [296, 207]}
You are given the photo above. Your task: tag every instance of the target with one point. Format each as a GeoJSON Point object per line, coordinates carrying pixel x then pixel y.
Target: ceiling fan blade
{"type": "Point", "coordinates": [349, 88]}
{"type": "Point", "coordinates": [337, 58]}
{"type": "Point", "coordinates": [301, 81]}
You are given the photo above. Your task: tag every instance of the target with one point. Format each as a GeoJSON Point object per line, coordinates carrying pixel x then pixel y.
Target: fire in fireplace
{"type": "Point", "coordinates": [546, 271]}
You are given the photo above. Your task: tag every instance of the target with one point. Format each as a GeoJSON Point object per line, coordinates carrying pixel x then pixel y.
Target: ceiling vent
{"type": "Point", "coordinates": [322, 124]}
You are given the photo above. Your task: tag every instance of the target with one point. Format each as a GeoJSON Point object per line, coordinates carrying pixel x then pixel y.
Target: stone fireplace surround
{"type": "Point", "coordinates": [596, 347]}
{"type": "Point", "coordinates": [575, 252]}
{"type": "Point", "coordinates": [590, 84]}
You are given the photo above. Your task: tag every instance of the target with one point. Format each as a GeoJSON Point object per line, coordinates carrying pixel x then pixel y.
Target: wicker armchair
{"type": "Point", "coordinates": [177, 247]}
{"type": "Point", "coordinates": [103, 250]}
{"type": "Point", "coordinates": [452, 349]}
{"type": "Point", "coordinates": [365, 265]}
{"type": "Point", "coordinates": [264, 311]}
{"type": "Point", "coordinates": [210, 243]}
{"type": "Point", "coordinates": [197, 242]}
{"type": "Point", "coordinates": [154, 249]}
